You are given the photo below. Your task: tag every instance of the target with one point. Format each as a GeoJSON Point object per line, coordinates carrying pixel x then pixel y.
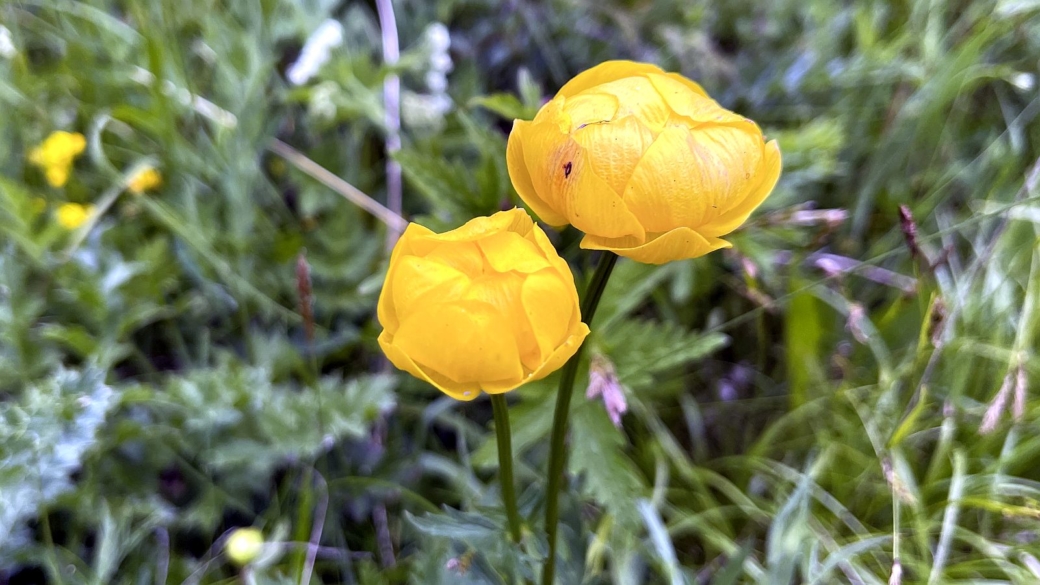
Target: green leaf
{"type": "Point", "coordinates": [597, 453]}
{"type": "Point", "coordinates": [641, 349]}
{"type": "Point", "coordinates": [463, 526]}
{"type": "Point", "coordinates": [505, 105]}
{"type": "Point", "coordinates": [803, 337]}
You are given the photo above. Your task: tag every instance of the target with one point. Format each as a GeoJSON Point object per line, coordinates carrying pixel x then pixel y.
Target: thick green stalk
{"type": "Point", "coordinates": [505, 463]}
{"type": "Point", "coordinates": [557, 453]}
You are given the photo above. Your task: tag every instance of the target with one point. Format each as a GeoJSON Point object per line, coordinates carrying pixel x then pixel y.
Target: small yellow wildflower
{"type": "Point", "coordinates": [244, 545]}
{"type": "Point", "coordinates": [55, 155]}
{"type": "Point", "coordinates": [72, 215]}
{"type": "Point", "coordinates": [147, 179]}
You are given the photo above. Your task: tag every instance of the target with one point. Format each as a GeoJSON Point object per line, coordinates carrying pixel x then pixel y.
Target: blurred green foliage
{"type": "Point", "coordinates": [828, 403]}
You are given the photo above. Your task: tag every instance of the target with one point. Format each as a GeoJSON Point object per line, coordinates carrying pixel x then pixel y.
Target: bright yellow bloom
{"type": "Point", "coordinates": [488, 306]}
{"type": "Point", "coordinates": [244, 545]}
{"type": "Point", "coordinates": [55, 155]}
{"type": "Point", "coordinates": [145, 180]}
{"type": "Point", "coordinates": [642, 161]}
{"type": "Point", "coordinates": [72, 215]}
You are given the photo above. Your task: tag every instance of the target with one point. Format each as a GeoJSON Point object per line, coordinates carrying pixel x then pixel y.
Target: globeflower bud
{"type": "Point", "coordinates": [643, 162]}
{"type": "Point", "coordinates": [488, 306]}
{"type": "Point", "coordinates": [244, 545]}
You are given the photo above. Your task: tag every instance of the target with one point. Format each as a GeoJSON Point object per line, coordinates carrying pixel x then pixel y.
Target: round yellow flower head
{"type": "Point", "coordinates": [244, 545]}
{"type": "Point", "coordinates": [55, 155]}
{"type": "Point", "coordinates": [145, 180]}
{"type": "Point", "coordinates": [488, 306]}
{"type": "Point", "coordinates": [72, 215]}
{"type": "Point", "coordinates": [642, 161]}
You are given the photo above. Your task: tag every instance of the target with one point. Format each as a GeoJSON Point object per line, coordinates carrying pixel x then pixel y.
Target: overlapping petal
{"type": "Point", "coordinates": [484, 307]}
{"type": "Point", "coordinates": [642, 160]}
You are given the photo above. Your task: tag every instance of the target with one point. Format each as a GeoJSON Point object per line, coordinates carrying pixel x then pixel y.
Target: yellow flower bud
{"type": "Point", "coordinates": [72, 215]}
{"type": "Point", "coordinates": [642, 161]}
{"type": "Point", "coordinates": [244, 545]}
{"type": "Point", "coordinates": [145, 180]}
{"type": "Point", "coordinates": [55, 155]}
{"type": "Point", "coordinates": [488, 306]}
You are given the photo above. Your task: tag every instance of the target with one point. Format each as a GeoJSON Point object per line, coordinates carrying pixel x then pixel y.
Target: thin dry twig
{"type": "Point", "coordinates": [393, 220]}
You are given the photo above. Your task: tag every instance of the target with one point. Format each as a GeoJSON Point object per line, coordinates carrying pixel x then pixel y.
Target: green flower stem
{"type": "Point", "coordinates": [505, 463]}
{"type": "Point", "coordinates": [557, 453]}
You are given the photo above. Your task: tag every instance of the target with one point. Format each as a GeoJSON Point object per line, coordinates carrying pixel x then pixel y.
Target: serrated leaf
{"type": "Point", "coordinates": [43, 438]}
{"type": "Point", "coordinates": [641, 349]}
{"type": "Point", "coordinates": [597, 453]}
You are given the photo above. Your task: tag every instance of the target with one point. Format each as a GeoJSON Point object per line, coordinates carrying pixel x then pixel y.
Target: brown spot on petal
{"type": "Point", "coordinates": [567, 169]}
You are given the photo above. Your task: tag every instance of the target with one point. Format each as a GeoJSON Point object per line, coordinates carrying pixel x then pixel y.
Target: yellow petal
{"type": "Point", "coordinates": [677, 244]}
{"type": "Point", "coordinates": [563, 270]}
{"type": "Point", "coordinates": [696, 106]}
{"type": "Point", "coordinates": [462, 256]}
{"type": "Point", "coordinates": [691, 85]}
{"type": "Point", "coordinates": [465, 341]}
{"type": "Point", "coordinates": [400, 359]}
{"type": "Point", "coordinates": [385, 310]}
{"type": "Point", "coordinates": [542, 143]}
{"type": "Point", "coordinates": [549, 308]}
{"type": "Point", "coordinates": [605, 73]}
{"type": "Point", "coordinates": [590, 108]}
{"type": "Point", "coordinates": [509, 251]}
{"type": "Point", "coordinates": [145, 180]}
{"type": "Point", "coordinates": [638, 97]}
{"type": "Point", "coordinates": [563, 353]}
{"type": "Point", "coordinates": [552, 113]}
{"type": "Point", "coordinates": [615, 148]}
{"type": "Point", "coordinates": [73, 215]}
{"type": "Point", "coordinates": [690, 178]}
{"type": "Point", "coordinates": [502, 291]}
{"type": "Point", "coordinates": [419, 283]}
{"type": "Point", "coordinates": [74, 143]}
{"type": "Point", "coordinates": [577, 193]}
{"type": "Point", "coordinates": [514, 220]}
{"type": "Point", "coordinates": [521, 177]}
{"type": "Point", "coordinates": [768, 173]}
{"type": "Point", "coordinates": [57, 175]}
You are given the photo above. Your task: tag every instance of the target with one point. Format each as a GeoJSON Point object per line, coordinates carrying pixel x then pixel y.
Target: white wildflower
{"type": "Point", "coordinates": [1023, 81]}
{"type": "Point", "coordinates": [315, 52]}
{"type": "Point", "coordinates": [436, 81]}
{"type": "Point", "coordinates": [7, 48]}
{"type": "Point", "coordinates": [438, 37]}
{"type": "Point", "coordinates": [441, 61]}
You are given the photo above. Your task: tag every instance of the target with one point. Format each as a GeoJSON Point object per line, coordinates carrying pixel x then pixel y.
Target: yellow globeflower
{"type": "Point", "coordinates": [72, 215]}
{"type": "Point", "coordinates": [488, 306]}
{"type": "Point", "coordinates": [55, 155]}
{"type": "Point", "coordinates": [642, 161]}
{"type": "Point", "coordinates": [147, 179]}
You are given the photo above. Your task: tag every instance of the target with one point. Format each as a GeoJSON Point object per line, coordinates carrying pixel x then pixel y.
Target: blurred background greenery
{"type": "Point", "coordinates": [844, 397]}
